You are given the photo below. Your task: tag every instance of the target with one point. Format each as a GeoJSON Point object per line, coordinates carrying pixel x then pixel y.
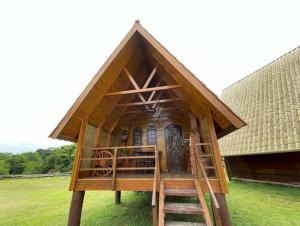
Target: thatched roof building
{"type": "Point", "coordinates": [269, 101]}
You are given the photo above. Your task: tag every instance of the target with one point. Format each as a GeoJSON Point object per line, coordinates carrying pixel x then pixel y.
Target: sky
{"type": "Point", "coordinates": [50, 50]}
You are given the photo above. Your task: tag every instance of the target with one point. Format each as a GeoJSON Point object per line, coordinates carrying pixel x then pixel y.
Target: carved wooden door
{"type": "Point", "coordinates": [175, 148]}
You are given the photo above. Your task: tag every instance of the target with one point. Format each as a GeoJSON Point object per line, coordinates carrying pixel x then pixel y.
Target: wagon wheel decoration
{"type": "Point", "coordinates": [104, 161]}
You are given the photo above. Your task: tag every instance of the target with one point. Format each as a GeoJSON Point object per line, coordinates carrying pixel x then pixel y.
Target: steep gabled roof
{"type": "Point", "coordinates": [94, 93]}
{"type": "Point", "coordinates": [269, 100]}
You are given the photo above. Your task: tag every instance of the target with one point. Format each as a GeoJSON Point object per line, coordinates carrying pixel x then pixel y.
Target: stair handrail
{"type": "Point", "coordinates": [156, 172]}
{"type": "Point", "coordinates": [215, 204]}
{"type": "Point", "coordinates": [205, 175]}
{"type": "Point", "coordinates": [202, 201]}
{"type": "Point", "coordinates": [155, 178]}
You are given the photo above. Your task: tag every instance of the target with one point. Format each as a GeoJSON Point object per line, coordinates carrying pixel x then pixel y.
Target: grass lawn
{"type": "Point", "coordinates": [45, 201]}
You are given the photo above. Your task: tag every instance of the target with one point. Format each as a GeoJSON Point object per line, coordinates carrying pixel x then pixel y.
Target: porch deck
{"type": "Point", "coordinates": [142, 182]}
{"type": "Point", "coordinates": [121, 170]}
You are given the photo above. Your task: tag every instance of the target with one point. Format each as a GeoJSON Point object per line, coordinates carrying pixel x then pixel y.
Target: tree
{"type": "Point", "coordinates": [44, 152]}
{"type": "Point", "coordinates": [16, 164]}
{"type": "Point", "coordinates": [4, 156]}
{"type": "Point", "coordinates": [4, 167]}
{"type": "Point", "coordinates": [41, 161]}
{"type": "Point", "coordinates": [31, 156]}
{"type": "Point", "coordinates": [34, 167]}
{"type": "Point", "coordinates": [61, 159]}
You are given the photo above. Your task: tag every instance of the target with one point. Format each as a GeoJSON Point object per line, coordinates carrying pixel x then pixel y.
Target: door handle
{"type": "Point", "coordinates": [188, 140]}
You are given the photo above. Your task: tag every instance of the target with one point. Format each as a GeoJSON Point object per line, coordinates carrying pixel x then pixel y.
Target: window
{"type": "Point", "coordinates": [137, 136]}
{"type": "Point", "coordinates": [151, 135]}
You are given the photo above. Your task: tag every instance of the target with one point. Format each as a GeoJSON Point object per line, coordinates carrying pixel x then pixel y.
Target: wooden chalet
{"type": "Point", "coordinates": [146, 123]}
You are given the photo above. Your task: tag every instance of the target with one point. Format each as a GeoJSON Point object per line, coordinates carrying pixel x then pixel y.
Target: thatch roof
{"type": "Point", "coordinates": [269, 101]}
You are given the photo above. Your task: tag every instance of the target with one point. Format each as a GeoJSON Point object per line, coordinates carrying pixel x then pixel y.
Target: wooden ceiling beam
{"type": "Point", "coordinates": [148, 102]}
{"type": "Point", "coordinates": [143, 90]}
{"type": "Point", "coordinates": [120, 112]}
{"type": "Point", "coordinates": [135, 85]}
{"type": "Point", "coordinates": [114, 102]}
{"type": "Point", "coordinates": [154, 91]}
{"type": "Point", "coordinates": [172, 114]}
{"type": "Point", "coordinates": [156, 101]}
{"type": "Point", "coordinates": [135, 64]}
{"type": "Point", "coordinates": [163, 109]}
{"type": "Point", "coordinates": [150, 76]}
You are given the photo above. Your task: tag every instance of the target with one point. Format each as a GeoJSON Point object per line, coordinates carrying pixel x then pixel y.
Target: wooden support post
{"type": "Point", "coordinates": [216, 153]}
{"type": "Point", "coordinates": [161, 214]}
{"type": "Point", "coordinates": [193, 132]}
{"type": "Point", "coordinates": [228, 169]}
{"type": "Point", "coordinates": [114, 168]}
{"type": "Point", "coordinates": [108, 138]}
{"type": "Point", "coordinates": [76, 208]}
{"type": "Point", "coordinates": [117, 197]}
{"type": "Point", "coordinates": [225, 217]}
{"type": "Point", "coordinates": [99, 135]}
{"type": "Point", "coordinates": [155, 215]}
{"type": "Point", "coordinates": [78, 154]}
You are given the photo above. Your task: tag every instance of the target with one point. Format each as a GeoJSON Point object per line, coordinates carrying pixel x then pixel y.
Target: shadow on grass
{"type": "Point", "coordinates": [135, 209]}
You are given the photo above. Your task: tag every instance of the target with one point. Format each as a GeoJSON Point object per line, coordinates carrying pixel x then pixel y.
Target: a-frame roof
{"type": "Point", "coordinates": [134, 44]}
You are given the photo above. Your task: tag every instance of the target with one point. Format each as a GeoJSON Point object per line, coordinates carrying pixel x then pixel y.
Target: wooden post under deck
{"type": "Point", "coordinates": [76, 208]}
{"type": "Point", "coordinates": [117, 197]}
{"type": "Point", "coordinates": [225, 217]}
{"type": "Point", "coordinates": [155, 215]}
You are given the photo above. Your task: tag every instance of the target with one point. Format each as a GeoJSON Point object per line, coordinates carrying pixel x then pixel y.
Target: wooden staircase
{"type": "Point", "coordinates": [176, 190]}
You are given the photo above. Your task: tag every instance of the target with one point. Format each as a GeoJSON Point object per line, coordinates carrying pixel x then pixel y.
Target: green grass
{"type": "Point", "coordinates": [45, 201]}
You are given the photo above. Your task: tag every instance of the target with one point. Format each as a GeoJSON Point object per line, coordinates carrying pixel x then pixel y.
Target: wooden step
{"type": "Point", "coordinates": [179, 183]}
{"type": "Point", "coordinates": [183, 208]}
{"type": "Point", "coordinates": [179, 223]}
{"type": "Point", "coordinates": [180, 192]}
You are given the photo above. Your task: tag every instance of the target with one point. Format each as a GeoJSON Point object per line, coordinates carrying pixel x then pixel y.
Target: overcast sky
{"type": "Point", "coordinates": [50, 50]}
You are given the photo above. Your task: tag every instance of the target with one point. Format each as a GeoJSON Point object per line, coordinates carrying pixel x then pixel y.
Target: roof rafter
{"type": "Point", "coordinates": [150, 76]}
{"type": "Point", "coordinates": [154, 91]}
{"type": "Point", "coordinates": [135, 85]}
{"type": "Point", "coordinates": [117, 100]}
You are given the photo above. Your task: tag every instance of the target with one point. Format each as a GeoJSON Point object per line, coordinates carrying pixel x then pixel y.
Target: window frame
{"type": "Point", "coordinates": [151, 135]}
{"type": "Point", "coordinates": [137, 136]}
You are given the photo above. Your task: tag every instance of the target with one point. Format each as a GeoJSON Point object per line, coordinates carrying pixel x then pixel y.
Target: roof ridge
{"type": "Point", "coordinates": [272, 62]}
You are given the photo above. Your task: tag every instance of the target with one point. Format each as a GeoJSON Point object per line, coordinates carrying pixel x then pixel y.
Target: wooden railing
{"type": "Point", "coordinates": [208, 155]}
{"type": "Point", "coordinates": [200, 168]}
{"type": "Point", "coordinates": [155, 189]}
{"type": "Point", "coordinates": [202, 201]}
{"type": "Point", "coordinates": [113, 156]}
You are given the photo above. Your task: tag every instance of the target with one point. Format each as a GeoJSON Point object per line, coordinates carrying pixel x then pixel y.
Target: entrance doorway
{"type": "Point", "coordinates": [175, 148]}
